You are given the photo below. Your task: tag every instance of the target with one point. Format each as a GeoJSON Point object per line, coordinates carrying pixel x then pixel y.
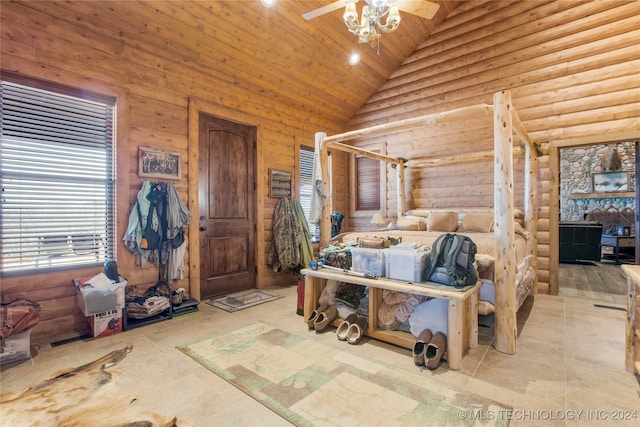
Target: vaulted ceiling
{"type": "Point", "coordinates": [274, 51]}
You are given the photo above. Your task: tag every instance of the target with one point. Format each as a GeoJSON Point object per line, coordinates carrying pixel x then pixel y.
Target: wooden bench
{"type": "Point", "coordinates": [462, 312]}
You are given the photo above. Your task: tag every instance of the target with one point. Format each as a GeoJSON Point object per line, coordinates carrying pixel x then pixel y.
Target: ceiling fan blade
{"type": "Point", "coordinates": [324, 9]}
{"type": "Point", "coordinates": [422, 8]}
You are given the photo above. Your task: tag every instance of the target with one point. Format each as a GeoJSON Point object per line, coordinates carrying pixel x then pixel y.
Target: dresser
{"type": "Point", "coordinates": [632, 347]}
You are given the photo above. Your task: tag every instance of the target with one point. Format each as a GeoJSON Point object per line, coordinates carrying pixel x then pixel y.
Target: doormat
{"type": "Point", "coordinates": [310, 383]}
{"type": "Point", "coordinates": [244, 299]}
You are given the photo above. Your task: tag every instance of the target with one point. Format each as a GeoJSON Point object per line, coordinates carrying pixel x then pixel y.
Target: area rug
{"type": "Point", "coordinates": [243, 299]}
{"type": "Point", "coordinates": [310, 383]}
{"type": "Point", "coordinates": [88, 395]}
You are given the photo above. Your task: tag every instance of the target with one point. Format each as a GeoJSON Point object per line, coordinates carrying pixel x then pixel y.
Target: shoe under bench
{"type": "Point", "coordinates": [462, 311]}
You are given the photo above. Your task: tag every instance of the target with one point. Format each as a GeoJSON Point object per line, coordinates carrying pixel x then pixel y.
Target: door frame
{"type": "Point", "coordinates": [197, 106]}
{"type": "Point", "coordinates": [554, 196]}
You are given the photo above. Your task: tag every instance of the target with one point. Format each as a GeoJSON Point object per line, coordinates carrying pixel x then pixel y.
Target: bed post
{"type": "Point", "coordinates": [400, 183]}
{"type": "Point", "coordinates": [505, 263]}
{"type": "Point", "coordinates": [325, 220]}
{"type": "Point", "coordinates": [531, 206]}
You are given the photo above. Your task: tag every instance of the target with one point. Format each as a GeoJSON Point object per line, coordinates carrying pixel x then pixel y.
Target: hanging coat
{"type": "Point", "coordinates": [306, 246]}
{"type": "Point", "coordinates": [284, 254]}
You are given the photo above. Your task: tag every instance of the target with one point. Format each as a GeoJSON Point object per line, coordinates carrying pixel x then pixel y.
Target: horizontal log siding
{"type": "Point", "coordinates": [572, 69]}
{"type": "Point", "coordinates": [154, 81]}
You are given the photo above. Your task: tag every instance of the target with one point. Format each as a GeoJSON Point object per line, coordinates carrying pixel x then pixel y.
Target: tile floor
{"type": "Point", "coordinates": [568, 370]}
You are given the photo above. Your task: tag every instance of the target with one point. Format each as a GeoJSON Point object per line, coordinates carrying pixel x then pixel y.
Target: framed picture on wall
{"type": "Point", "coordinates": [279, 184]}
{"type": "Point", "coordinates": [610, 182]}
{"type": "Point", "coordinates": [155, 163]}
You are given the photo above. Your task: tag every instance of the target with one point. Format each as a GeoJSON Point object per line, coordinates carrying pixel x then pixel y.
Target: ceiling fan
{"type": "Point", "coordinates": [423, 8]}
{"type": "Point", "coordinates": [369, 25]}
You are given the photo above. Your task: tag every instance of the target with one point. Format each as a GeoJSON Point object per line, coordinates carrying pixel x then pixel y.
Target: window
{"type": "Point", "coordinates": [57, 177]}
{"type": "Point", "coordinates": [306, 188]}
{"type": "Point", "coordinates": [367, 184]}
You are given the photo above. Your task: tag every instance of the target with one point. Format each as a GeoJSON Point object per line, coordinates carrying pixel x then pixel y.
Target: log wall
{"type": "Point", "coordinates": [572, 69]}
{"type": "Point", "coordinates": [123, 53]}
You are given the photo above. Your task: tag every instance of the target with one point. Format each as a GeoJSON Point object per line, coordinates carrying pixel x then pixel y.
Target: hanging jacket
{"type": "Point", "coordinates": [306, 246]}
{"type": "Point", "coordinates": [168, 220]}
{"type": "Point", "coordinates": [133, 234]}
{"type": "Point", "coordinates": [284, 254]}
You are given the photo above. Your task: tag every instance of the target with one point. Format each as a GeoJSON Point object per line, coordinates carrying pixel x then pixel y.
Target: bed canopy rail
{"type": "Point", "coordinates": [505, 123]}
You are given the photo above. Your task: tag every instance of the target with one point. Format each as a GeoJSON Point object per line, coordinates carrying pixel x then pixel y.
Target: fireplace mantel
{"type": "Point", "coordinates": [610, 195]}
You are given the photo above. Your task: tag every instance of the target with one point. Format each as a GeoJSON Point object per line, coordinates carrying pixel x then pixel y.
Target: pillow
{"type": "Point", "coordinates": [477, 222]}
{"type": "Point", "coordinates": [419, 212]}
{"type": "Point", "coordinates": [442, 221]}
{"type": "Point", "coordinates": [411, 222]}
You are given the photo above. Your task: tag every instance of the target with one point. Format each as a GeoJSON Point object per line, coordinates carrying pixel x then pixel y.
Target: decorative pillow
{"type": "Point", "coordinates": [477, 222]}
{"type": "Point", "coordinates": [442, 221]}
{"type": "Point", "coordinates": [419, 212]}
{"type": "Point", "coordinates": [411, 222]}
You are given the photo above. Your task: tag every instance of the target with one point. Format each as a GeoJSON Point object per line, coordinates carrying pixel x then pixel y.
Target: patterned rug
{"type": "Point", "coordinates": [243, 299]}
{"type": "Point", "coordinates": [314, 384]}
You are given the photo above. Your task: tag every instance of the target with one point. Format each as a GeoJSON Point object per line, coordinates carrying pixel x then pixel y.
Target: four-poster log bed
{"type": "Point", "coordinates": [505, 123]}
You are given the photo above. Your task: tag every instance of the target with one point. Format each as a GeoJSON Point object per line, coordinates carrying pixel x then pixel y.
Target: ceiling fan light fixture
{"type": "Point", "coordinates": [370, 25]}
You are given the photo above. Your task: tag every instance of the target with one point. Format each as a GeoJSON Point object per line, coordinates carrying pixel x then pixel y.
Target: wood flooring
{"type": "Point", "coordinates": [603, 281]}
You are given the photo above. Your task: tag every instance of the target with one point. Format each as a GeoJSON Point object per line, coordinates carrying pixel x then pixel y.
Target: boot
{"type": "Point", "coordinates": [420, 346]}
{"type": "Point", "coordinates": [435, 350]}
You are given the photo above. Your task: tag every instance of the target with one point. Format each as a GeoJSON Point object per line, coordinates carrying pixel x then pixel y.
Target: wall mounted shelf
{"type": "Point", "coordinates": [610, 195]}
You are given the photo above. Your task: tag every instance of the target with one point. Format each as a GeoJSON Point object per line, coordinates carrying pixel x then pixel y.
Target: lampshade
{"type": "Point", "coordinates": [378, 219]}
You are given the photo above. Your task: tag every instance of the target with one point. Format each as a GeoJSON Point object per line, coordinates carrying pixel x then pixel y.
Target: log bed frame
{"type": "Point", "coordinates": [505, 123]}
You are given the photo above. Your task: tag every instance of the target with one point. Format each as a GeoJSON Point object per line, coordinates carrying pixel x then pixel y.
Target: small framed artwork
{"type": "Point", "coordinates": [606, 182]}
{"type": "Point", "coordinates": [279, 184]}
{"type": "Point", "coordinates": [155, 163]}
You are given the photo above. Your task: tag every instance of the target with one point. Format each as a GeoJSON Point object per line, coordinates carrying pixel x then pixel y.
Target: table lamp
{"type": "Point", "coordinates": [378, 220]}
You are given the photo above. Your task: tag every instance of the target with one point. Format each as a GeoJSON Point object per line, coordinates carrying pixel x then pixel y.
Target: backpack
{"type": "Point", "coordinates": [451, 261]}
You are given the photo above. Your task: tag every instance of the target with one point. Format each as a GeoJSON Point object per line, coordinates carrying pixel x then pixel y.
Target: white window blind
{"type": "Point", "coordinates": [57, 179]}
{"type": "Point", "coordinates": [306, 188]}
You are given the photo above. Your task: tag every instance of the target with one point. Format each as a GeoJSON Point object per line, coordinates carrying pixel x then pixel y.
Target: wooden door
{"type": "Point", "coordinates": [227, 206]}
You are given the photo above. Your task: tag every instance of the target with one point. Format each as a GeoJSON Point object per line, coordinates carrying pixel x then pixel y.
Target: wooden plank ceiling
{"type": "Point", "coordinates": [302, 64]}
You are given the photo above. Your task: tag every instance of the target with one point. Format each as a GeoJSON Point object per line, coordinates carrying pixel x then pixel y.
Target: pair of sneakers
{"type": "Point", "coordinates": [429, 349]}
{"type": "Point", "coordinates": [352, 329]}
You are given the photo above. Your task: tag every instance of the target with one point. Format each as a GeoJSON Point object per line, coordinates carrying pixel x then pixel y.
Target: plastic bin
{"type": "Point", "coordinates": [95, 301]}
{"type": "Point", "coordinates": [368, 261]}
{"type": "Point", "coordinates": [17, 347]}
{"type": "Point", "coordinates": [406, 263]}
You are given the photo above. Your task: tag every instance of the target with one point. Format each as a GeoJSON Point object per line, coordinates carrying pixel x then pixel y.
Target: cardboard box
{"type": "Point", "coordinates": [17, 347]}
{"type": "Point", "coordinates": [105, 324]}
{"type": "Point", "coordinates": [406, 263]}
{"type": "Point", "coordinates": [368, 261]}
{"type": "Point", "coordinates": [95, 301]}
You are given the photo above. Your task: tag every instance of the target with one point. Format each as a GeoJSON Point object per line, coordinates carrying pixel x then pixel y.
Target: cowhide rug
{"type": "Point", "coordinates": [84, 396]}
